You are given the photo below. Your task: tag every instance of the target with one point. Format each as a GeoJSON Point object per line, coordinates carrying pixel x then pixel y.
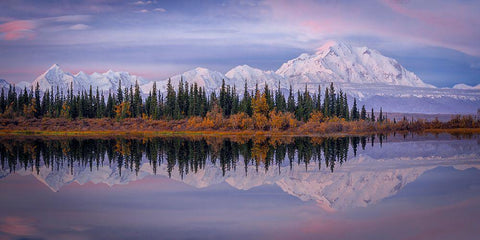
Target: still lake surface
{"type": "Point", "coordinates": [372, 187]}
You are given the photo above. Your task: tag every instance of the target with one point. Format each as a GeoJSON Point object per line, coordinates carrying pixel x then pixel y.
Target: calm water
{"type": "Point", "coordinates": [375, 187]}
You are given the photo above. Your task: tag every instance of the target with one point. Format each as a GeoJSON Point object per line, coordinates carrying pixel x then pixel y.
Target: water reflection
{"type": "Point", "coordinates": [337, 173]}
{"type": "Point", "coordinates": [187, 155]}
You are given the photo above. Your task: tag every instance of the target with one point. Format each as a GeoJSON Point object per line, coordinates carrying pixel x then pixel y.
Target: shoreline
{"type": "Point", "coordinates": [151, 128]}
{"type": "Point", "coordinates": [250, 134]}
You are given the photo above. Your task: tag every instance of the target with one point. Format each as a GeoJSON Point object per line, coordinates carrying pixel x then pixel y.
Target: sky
{"type": "Point", "coordinates": [437, 40]}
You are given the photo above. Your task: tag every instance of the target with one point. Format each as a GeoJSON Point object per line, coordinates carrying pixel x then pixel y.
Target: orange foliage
{"type": "Point", "coordinates": [240, 121]}
{"type": "Point", "coordinates": [259, 104]}
{"type": "Point", "coordinates": [260, 121]}
{"type": "Point", "coordinates": [282, 120]}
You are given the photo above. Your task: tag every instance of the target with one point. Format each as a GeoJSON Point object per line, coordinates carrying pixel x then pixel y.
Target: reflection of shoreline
{"type": "Point", "coordinates": [365, 179]}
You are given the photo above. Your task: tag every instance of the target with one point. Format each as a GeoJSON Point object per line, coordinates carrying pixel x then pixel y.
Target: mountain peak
{"type": "Point", "coordinates": [54, 67]}
{"type": "Point", "coordinates": [327, 46]}
{"type": "Point", "coordinates": [333, 45]}
{"type": "Point", "coordinates": [339, 62]}
{"type": "Point", "coordinates": [202, 69]}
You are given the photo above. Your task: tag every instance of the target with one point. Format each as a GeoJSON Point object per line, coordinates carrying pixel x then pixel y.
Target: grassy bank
{"type": "Point", "coordinates": [222, 127]}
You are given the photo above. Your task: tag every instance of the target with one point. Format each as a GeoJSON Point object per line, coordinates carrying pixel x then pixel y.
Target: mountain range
{"type": "Point", "coordinates": [363, 73]}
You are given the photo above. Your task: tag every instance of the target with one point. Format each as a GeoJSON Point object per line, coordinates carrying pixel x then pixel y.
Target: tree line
{"type": "Point", "coordinates": [185, 101]}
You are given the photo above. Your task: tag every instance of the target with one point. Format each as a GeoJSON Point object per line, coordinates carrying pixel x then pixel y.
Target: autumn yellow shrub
{"type": "Point", "coordinates": [282, 120]}
{"type": "Point", "coordinates": [194, 123]}
{"type": "Point", "coordinates": [240, 121]}
{"type": "Point", "coordinates": [260, 121]}
{"type": "Point", "coordinates": [213, 119]}
{"type": "Point", "coordinates": [316, 117]}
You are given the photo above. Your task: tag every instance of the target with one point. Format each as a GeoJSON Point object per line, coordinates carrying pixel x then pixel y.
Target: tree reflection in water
{"type": "Point", "coordinates": [188, 154]}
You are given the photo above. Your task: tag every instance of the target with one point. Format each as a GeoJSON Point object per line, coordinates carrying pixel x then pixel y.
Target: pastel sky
{"type": "Point", "coordinates": [438, 40]}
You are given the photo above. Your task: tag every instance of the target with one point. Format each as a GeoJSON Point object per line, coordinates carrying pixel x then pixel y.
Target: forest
{"type": "Point", "coordinates": [189, 107]}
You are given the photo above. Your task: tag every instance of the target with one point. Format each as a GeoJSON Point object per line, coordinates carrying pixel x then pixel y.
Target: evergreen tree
{"type": "Point", "coordinates": [280, 103]}
{"type": "Point", "coordinates": [181, 99]}
{"type": "Point", "coordinates": [307, 104]}
{"type": "Point", "coordinates": [246, 103]}
{"type": "Point", "coordinates": [363, 114]}
{"type": "Point", "coordinates": [109, 111]}
{"type": "Point", "coordinates": [354, 115]}
{"type": "Point", "coordinates": [332, 100]}
{"type": "Point", "coordinates": [137, 101]}
{"type": "Point", "coordinates": [380, 116]}
{"type": "Point", "coordinates": [119, 93]}
{"type": "Point", "coordinates": [326, 104]}
{"type": "Point", "coordinates": [171, 108]}
{"type": "Point", "coordinates": [318, 104]}
{"type": "Point", "coordinates": [3, 102]}
{"type": "Point", "coordinates": [38, 109]}
{"type": "Point", "coordinates": [153, 108]}
{"type": "Point", "coordinates": [299, 108]}
{"type": "Point", "coordinates": [291, 101]}
{"type": "Point", "coordinates": [235, 101]}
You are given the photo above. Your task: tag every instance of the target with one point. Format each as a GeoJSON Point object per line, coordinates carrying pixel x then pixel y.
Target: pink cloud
{"type": "Point", "coordinates": [422, 223]}
{"type": "Point", "coordinates": [444, 23]}
{"type": "Point", "coordinates": [18, 29]}
{"type": "Point", "coordinates": [439, 19]}
{"type": "Point", "coordinates": [18, 226]}
{"type": "Point", "coordinates": [27, 29]}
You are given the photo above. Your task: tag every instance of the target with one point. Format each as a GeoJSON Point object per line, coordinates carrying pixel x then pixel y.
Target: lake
{"type": "Point", "coordinates": [371, 187]}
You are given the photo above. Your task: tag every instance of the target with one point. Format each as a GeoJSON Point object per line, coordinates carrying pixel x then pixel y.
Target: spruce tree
{"type": "Point", "coordinates": [363, 114]}
{"type": "Point", "coordinates": [137, 101]}
{"type": "Point", "coordinates": [291, 101]}
{"type": "Point", "coordinates": [280, 103]}
{"type": "Point", "coordinates": [318, 105]}
{"type": "Point", "coordinates": [119, 93]}
{"type": "Point", "coordinates": [307, 105]}
{"type": "Point", "coordinates": [332, 100]}
{"type": "Point", "coordinates": [171, 106]}
{"type": "Point", "coordinates": [153, 108]}
{"type": "Point", "coordinates": [3, 102]}
{"type": "Point", "coordinates": [354, 115]}
{"type": "Point", "coordinates": [380, 116]}
{"type": "Point", "coordinates": [326, 104]}
{"type": "Point", "coordinates": [38, 108]}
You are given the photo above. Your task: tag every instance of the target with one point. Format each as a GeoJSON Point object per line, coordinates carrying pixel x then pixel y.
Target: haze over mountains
{"type": "Point", "coordinates": [375, 80]}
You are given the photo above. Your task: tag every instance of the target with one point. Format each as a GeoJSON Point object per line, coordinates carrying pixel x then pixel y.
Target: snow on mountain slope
{"type": "Point", "coordinates": [375, 80]}
{"type": "Point", "coordinates": [255, 76]}
{"type": "Point", "coordinates": [109, 80]}
{"type": "Point", "coordinates": [466, 87]}
{"type": "Point", "coordinates": [205, 78]}
{"type": "Point", "coordinates": [4, 84]}
{"type": "Point", "coordinates": [341, 63]}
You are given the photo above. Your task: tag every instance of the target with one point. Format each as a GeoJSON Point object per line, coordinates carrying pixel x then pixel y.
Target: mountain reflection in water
{"type": "Point", "coordinates": [338, 173]}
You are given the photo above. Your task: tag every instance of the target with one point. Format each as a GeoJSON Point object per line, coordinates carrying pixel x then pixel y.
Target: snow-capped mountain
{"type": "Point", "coordinates": [109, 80]}
{"type": "Point", "coordinates": [253, 76]}
{"type": "Point", "coordinates": [365, 74]}
{"type": "Point", "coordinates": [341, 63]}
{"type": "Point", "coordinates": [467, 87]}
{"type": "Point", "coordinates": [205, 78]}
{"type": "Point", "coordinates": [4, 83]}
